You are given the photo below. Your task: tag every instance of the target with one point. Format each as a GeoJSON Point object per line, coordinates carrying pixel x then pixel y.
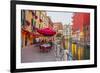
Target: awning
{"type": "Point", "coordinates": [46, 31]}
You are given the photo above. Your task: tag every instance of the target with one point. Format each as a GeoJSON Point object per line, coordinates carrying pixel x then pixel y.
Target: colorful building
{"type": "Point", "coordinates": [26, 27]}
{"type": "Point", "coordinates": [81, 36]}
{"type": "Point", "coordinates": [81, 26]}
{"type": "Point", "coordinates": [34, 18]}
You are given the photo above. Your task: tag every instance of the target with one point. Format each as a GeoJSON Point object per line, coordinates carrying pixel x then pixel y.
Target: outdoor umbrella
{"type": "Point", "coordinates": [46, 31]}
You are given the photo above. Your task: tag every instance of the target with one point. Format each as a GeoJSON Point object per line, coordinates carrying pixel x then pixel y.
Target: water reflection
{"type": "Point", "coordinates": [80, 52]}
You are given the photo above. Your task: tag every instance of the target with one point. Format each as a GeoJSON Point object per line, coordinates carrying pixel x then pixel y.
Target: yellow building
{"type": "Point", "coordinates": [42, 20]}
{"type": "Point", "coordinates": [36, 18]}
{"type": "Point", "coordinates": [27, 27]}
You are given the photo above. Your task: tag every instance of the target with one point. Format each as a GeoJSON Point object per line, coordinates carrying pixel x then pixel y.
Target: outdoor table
{"type": "Point", "coordinates": [45, 47]}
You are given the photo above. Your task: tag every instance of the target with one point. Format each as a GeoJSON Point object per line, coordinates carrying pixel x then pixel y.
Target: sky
{"type": "Point", "coordinates": [63, 17]}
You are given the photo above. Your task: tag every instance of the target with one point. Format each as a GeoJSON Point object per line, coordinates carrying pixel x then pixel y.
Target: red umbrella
{"type": "Point", "coordinates": [46, 31]}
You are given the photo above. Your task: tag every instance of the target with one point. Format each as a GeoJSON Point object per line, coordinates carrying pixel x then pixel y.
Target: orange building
{"type": "Point", "coordinates": [26, 27]}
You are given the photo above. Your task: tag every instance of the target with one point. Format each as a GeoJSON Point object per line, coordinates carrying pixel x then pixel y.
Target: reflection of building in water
{"type": "Point", "coordinates": [80, 52]}
{"type": "Point", "coordinates": [81, 36]}
{"type": "Point", "coordinates": [67, 30]}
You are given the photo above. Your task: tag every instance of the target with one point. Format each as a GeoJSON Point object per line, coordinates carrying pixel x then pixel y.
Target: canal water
{"type": "Point", "coordinates": [80, 52]}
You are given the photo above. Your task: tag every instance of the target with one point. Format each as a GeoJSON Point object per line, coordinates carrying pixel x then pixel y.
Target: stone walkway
{"type": "Point", "coordinates": [33, 54]}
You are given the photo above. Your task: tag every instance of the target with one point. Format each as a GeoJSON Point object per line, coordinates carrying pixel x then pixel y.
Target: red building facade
{"type": "Point", "coordinates": [81, 23]}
